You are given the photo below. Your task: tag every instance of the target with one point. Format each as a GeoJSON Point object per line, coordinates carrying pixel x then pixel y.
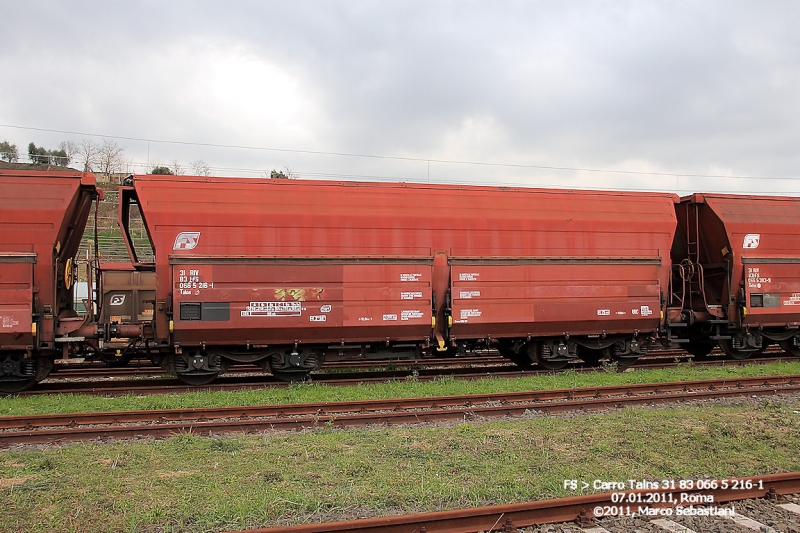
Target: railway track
{"type": "Point", "coordinates": [580, 510]}
{"type": "Point", "coordinates": [160, 383]}
{"type": "Point", "coordinates": [144, 368]}
{"type": "Point", "coordinates": [44, 429]}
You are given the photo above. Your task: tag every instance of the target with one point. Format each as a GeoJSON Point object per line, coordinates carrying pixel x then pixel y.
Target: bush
{"type": "Point", "coordinates": [9, 152]}
{"type": "Point", "coordinates": [43, 156]}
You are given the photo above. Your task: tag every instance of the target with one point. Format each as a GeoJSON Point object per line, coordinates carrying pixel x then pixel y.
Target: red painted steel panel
{"type": "Point", "coordinates": [553, 298]}
{"type": "Point", "coordinates": [283, 301]}
{"type": "Point", "coordinates": [234, 217]}
{"type": "Point", "coordinates": [759, 227]}
{"type": "Point", "coordinates": [775, 291]}
{"type": "Point", "coordinates": [43, 213]}
{"type": "Point", "coordinates": [280, 217]}
{"type": "Point", "coordinates": [16, 296]}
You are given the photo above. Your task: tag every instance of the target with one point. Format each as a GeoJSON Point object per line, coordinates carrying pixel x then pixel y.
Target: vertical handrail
{"type": "Point", "coordinates": [676, 297]}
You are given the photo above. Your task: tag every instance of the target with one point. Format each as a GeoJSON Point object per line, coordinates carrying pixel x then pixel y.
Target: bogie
{"type": "Point", "coordinates": [18, 372]}
{"type": "Point", "coordinates": [742, 345]}
{"type": "Point", "coordinates": [553, 354]}
{"type": "Point", "coordinates": [791, 346]}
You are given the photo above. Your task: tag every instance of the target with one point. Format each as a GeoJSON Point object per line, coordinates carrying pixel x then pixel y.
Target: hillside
{"type": "Point", "coordinates": [109, 236]}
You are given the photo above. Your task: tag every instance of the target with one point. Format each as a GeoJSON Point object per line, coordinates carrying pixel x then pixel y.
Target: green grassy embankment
{"type": "Point", "coordinates": [199, 484]}
{"type": "Point", "coordinates": [196, 484]}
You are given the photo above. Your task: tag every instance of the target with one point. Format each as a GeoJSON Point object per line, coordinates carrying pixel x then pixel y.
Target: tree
{"type": "Point", "coordinates": [41, 155]}
{"type": "Point", "coordinates": [70, 149]}
{"type": "Point", "coordinates": [164, 171]}
{"type": "Point", "coordinates": [176, 167]}
{"type": "Point", "coordinates": [200, 168]}
{"type": "Point", "coordinates": [37, 155]}
{"type": "Point", "coordinates": [110, 157]}
{"type": "Point", "coordinates": [9, 152]}
{"type": "Point", "coordinates": [86, 154]}
{"type": "Point", "coordinates": [285, 174]}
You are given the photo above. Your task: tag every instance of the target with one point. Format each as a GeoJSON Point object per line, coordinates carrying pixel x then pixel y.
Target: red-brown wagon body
{"type": "Point", "coordinates": [254, 262]}
{"type": "Point", "coordinates": [744, 257]}
{"type": "Point", "coordinates": [42, 218]}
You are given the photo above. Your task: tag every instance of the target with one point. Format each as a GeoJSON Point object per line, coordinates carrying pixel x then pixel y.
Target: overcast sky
{"type": "Point", "coordinates": [683, 96]}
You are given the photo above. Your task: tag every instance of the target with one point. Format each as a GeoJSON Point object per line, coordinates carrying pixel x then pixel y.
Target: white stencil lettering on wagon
{"type": "Point", "coordinates": [186, 240]}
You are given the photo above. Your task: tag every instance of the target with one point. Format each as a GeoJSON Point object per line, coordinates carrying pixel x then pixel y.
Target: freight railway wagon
{"type": "Point", "coordinates": [287, 273]}
{"type": "Point", "coordinates": [42, 218]}
{"type": "Point", "coordinates": [737, 266]}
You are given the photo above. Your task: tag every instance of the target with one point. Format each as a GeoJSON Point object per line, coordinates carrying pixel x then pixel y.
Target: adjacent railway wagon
{"type": "Point", "coordinates": [42, 218]}
{"type": "Point", "coordinates": [738, 264]}
{"type": "Point", "coordinates": [287, 272]}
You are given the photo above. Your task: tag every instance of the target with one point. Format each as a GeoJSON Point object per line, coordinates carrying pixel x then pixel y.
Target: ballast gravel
{"type": "Point", "coordinates": [764, 511]}
{"type": "Point", "coordinates": [770, 514]}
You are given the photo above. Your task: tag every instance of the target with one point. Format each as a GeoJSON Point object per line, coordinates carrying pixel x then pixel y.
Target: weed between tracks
{"type": "Point", "coordinates": [410, 388]}
{"type": "Point", "coordinates": [190, 483]}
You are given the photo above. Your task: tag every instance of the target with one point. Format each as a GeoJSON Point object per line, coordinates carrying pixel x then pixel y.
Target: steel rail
{"type": "Point", "coordinates": [165, 385]}
{"type": "Point", "coordinates": [468, 400]}
{"type": "Point", "coordinates": [165, 423]}
{"type": "Point", "coordinates": [507, 517]}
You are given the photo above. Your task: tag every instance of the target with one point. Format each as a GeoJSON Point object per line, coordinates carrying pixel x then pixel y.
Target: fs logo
{"type": "Point", "coordinates": [117, 299]}
{"type": "Point", "coordinates": [186, 240]}
{"type": "Point", "coordinates": [751, 241]}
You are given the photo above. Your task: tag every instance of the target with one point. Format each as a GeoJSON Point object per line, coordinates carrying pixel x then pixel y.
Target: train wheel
{"type": "Point", "coordinates": [197, 379]}
{"type": "Point", "coordinates": [727, 347]}
{"type": "Point", "coordinates": [591, 356]}
{"type": "Point", "coordinates": [626, 360]}
{"type": "Point", "coordinates": [520, 358]}
{"type": "Point", "coordinates": [18, 374]}
{"type": "Point", "coordinates": [12, 387]}
{"type": "Point", "coordinates": [621, 361]}
{"type": "Point", "coordinates": [291, 376]}
{"type": "Point", "coordinates": [764, 345]}
{"type": "Point", "coordinates": [197, 369]}
{"type": "Point", "coordinates": [294, 364]}
{"type": "Point", "coordinates": [790, 346]}
{"type": "Point", "coordinates": [546, 358]}
{"type": "Point", "coordinates": [699, 349]}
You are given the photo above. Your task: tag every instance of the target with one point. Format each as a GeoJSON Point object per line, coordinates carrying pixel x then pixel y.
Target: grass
{"type": "Point", "coordinates": [191, 483]}
{"type": "Point", "coordinates": [410, 388]}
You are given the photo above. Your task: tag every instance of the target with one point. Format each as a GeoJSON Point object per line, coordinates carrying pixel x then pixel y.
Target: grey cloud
{"type": "Point", "coordinates": [684, 87]}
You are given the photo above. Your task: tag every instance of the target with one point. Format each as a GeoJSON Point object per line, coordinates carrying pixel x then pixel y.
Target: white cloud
{"type": "Point", "coordinates": [673, 87]}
